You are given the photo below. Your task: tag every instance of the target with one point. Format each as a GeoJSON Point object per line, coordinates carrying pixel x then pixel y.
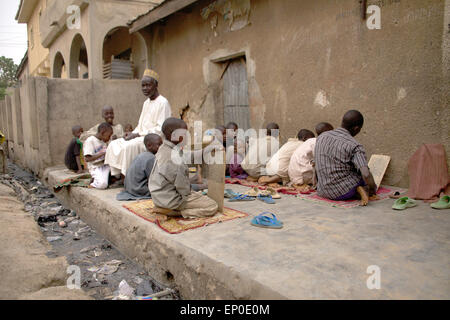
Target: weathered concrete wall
{"type": "Point", "coordinates": [38, 116]}
{"type": "Point", "coordinates": [310, 61]}
{"type": "Point", "coordinates": [80, 102]}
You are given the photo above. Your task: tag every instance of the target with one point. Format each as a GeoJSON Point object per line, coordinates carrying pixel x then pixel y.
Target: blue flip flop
{"type": "Point", "coordinates": [266, 198]}
{"type": "Point", "coordinates": [264, 221]}
{"type": "Point", "coordinates": [241, 197]}
{"type": "Point", "coordinates": [230, 193]}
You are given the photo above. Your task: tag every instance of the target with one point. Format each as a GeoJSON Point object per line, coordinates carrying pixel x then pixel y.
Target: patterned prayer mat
{"type": "Point", "coordinates": [280, 189]}
{"type": "Point", "coordinates": [383, 193]}
{"type": "Point", "coordinates": [177, 225]}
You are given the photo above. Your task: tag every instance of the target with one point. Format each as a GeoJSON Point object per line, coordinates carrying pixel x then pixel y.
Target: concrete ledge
{"type": "Point", "coordinates": [321, 253]}
{"type": "Point", "coordinates": [166, 257]}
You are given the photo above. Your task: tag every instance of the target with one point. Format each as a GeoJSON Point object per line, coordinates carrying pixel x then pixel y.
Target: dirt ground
{"type": "Point", "coordinates": [37, 250]}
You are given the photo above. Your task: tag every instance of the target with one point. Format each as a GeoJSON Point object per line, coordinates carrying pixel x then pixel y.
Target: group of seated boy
{"type": "Point", "coordinates": [152, 172]}
{"type": "Point", "coordinates": [334, 163]}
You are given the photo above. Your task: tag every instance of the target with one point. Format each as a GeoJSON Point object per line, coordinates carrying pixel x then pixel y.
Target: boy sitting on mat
{"type": "Point", "coordinates": [341, 164]}
{"type": "Point", "coordinates": [260, 151]}
{"type": "Point", "coordinates": [277, 167]}
{"type": "Point", "coordinates": [301, 165]}
{"type": "Point", "coordinates": [169, 182]}
{"type": "Point", "coordinates": [136, 180]}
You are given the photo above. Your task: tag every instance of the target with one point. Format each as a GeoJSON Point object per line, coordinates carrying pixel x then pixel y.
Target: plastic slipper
{"type": "Point", "coordinates": [403, 203]}
{"type": "Point", "coordinates": [442, 203]}
{"type": "Point", "coordinates": [264, 221]}
{"type": "Point", "coordinates": [241, 197]}
{"type": "Point", "coordinates": [395, 195]}
{"type": "Point", "coordinates": [274, 217]}
{"type": "Point", "coordinates": [253, 192]}
{"type": "Point", "coordinates": [273, 193]}
{"type": "Point", "coordinates": [266, 198]}
{"type": "Point", "coordinates": [230, 193]}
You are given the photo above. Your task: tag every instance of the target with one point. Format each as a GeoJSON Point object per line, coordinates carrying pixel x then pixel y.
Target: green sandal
{"type": "Point", "coordinates": [443, 203]}
{"type": "Point", "coordinates": [403, 203]}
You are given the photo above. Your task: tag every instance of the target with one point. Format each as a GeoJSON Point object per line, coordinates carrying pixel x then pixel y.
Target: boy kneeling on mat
{"type": "Point", "coordinates": [169, 182]}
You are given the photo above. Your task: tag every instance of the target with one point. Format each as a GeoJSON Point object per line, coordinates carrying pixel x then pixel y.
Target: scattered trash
{"type": "Point", "coordinates": [60, 223]}
{"type": "Point", "coordinates": [83, 230]}
{"type": "Point", "coordinates": [46, 218]}
{"type": "Point", "coordinates": [82, 224]}
{"type": "Point", "coordinates": [106, 245]}
{"type": "Point", "coordinates": [125, 292]}
{"type": "Point", "coordinates": [144, 288]}
{"type": "Point", "coordinates": [157, 295]}
{"type": "Point", "coordinates": [51, 239]}
{"type": "Point", "coordinates": [109, 267]}
{"type": "Point", "coordinates": [97, 253]}
{"type": "Point", "coordinates": [72, 214]}
{"type": "Point", "coordinates": [93, 269]}
{"type": "Point", "coordinates": [100, 278]}
{"type": "Point", "coordinates": [87, 249]}
{"type": "Point", "coordinates": [138, 280]}
{"type": "Point", "coordinates": [69, 220]}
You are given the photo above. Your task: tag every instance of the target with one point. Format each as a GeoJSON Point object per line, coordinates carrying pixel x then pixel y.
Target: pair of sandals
{"type": "Point", "coordinates": [266, 196]}
{"type": "Point", "coordinates": [406, 202]}
{"type": "Point", "coordinates": [267, 220]}
{"type": "Point", "coordinates": [244, 197]}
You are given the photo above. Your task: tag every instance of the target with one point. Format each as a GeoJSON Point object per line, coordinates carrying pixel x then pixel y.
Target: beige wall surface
{"type": "Point", "coordinates": [72, 102]}
{"type": "Point", "coordinates": [37, 54]}
{"type": "Point", "coordinates": [97, 19]}
{"type": "Point", "coordinates": [310, 61]}
{"type": "Point", "coordinates": [50, 107]}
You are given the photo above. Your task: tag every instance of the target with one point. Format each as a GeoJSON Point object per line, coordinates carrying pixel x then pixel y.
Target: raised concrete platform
{"type": "Point", "coordinates": [321, 253]}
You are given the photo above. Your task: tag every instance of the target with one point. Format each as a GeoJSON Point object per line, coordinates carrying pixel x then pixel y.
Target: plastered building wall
{"type": "Point", "coordinates": [50, 107]}
{"type": "Point", "coordinates": [311, 61]}
{"type": "Point", "coordinates": [38, 59]}
{"type": "Point", "coordinates": [97, 19]}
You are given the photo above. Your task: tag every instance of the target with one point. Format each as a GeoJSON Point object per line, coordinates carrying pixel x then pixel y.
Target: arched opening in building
{"type": "Point", "coordinates": [59, 66]}
{"type": "Point", "coordinates": [79, 65]}
{"type": "Point", "coordinates": [124, 54]}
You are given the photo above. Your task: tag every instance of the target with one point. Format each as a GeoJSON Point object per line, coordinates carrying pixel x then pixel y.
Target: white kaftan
{"type": "Point", "coordinates": [121, 153]}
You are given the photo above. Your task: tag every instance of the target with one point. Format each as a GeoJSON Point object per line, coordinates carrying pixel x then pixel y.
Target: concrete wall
{"type": "Point", "coordinates": [38, 123]}
{"type": "Point", "coordinates": [310, 61]}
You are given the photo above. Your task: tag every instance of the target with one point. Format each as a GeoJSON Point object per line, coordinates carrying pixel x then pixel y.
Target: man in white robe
{"type": "Point", "coordinates": [155, 111]}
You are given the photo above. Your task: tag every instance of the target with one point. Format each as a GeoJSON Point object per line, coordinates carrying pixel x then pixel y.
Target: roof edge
{"type": "Point", "coordinates": [157, 13]}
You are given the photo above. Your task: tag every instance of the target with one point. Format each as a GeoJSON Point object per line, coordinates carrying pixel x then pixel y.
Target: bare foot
{"type": "Point", "coordinates": [252, 179]}
{"type": "Point", "coordinates": [161, 217]}
{"type": "Point", "coordinates": [374, 197]}
{"type": "Point", "coordinates": [302, 188]}
{"type": "Point", "coordinates": [364, 196]}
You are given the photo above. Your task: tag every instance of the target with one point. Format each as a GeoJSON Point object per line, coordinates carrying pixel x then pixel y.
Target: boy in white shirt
{"type": "Point", "coordinates": [301, 165]}
{"type": "Point", "coordinates": [94, 150]}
